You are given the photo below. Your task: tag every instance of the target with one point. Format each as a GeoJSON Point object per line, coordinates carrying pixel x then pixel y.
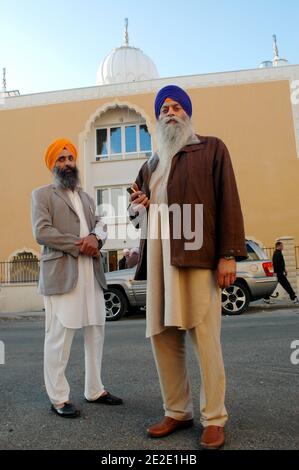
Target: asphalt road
{"type": "Point", "coordinates": [262, 388]}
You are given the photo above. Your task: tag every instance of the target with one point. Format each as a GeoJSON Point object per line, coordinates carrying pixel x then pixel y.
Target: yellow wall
{"type": "Point", "coordinates": [254, 120]}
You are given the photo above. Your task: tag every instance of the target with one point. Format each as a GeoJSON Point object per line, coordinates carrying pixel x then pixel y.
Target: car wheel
{"type": "Point", "coordinates": [235, 299]}
{"type": "Point", "coordinates": [115, 303]}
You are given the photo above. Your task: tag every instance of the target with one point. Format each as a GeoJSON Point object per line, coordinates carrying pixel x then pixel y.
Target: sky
{"type": "Point", "coordinates": [54, 45]}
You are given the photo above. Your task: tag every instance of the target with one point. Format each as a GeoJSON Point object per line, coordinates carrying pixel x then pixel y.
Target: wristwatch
{"type": "Point", "coordinates": [228, 257]}
{"type": "Point", "coordinates": [97, 236]}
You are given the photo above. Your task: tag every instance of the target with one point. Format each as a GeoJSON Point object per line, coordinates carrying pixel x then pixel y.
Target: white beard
{"type": "Point", "coordinates": [172, 137]}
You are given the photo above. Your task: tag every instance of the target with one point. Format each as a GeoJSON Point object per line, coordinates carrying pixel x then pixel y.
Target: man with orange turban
{"type": "Point", "coordinates": [71, 278]}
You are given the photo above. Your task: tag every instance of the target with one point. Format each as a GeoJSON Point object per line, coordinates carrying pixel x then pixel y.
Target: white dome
{"type": "Point", "coordinates": [280, 62]}
{"type": "Point", "coordinates": [126, 64]}
{"type": "Point", "coordinates": [265, 64]}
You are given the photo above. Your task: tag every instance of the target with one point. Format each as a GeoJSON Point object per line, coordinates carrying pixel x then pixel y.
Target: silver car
{"type": "Point", "coordinates": [255, 280]}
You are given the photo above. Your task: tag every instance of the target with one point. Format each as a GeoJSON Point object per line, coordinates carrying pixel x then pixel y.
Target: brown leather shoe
{"type": "Point", "coordinates": [167, 426]}
{"type": "Point", "coordinates": [212, 437]}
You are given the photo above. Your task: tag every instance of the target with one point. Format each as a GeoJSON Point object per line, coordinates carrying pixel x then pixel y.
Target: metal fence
{"type": "Point", "coordinates": [19, 271]}
{"type": "Point", "coordinates": [22, 271]}
{"type": "Point", "coordinates": [269, 251]}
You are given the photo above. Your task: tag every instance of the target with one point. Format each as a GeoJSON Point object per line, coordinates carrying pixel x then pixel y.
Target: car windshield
{"type": "Point", "coordinates": [254, 251]}
{"type": "Point", "coordinates": [252, 255]}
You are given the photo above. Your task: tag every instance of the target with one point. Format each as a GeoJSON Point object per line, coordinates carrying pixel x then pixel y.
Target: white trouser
{"type": "Point", "coordinates": [58, 342]}
{"type": "Point", "coordinates": [169, 352]}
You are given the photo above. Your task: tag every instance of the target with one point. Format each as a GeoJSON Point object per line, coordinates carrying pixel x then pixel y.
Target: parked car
{"type": "Point", "coordinates": [255, 280]}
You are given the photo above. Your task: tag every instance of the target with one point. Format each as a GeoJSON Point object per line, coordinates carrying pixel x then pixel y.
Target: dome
{"type": "Point", "coordinates": [280, 62]}
{"type": "Point", "coordinates": [126, 64]}
{"type": "Point", "coordinates": [265, 64]}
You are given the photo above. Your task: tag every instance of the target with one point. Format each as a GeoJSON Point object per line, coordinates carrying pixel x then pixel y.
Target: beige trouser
{"type": "Point", "coordinates": [58, 342]}
{"type": "Point", "coordinates": [169, 352]}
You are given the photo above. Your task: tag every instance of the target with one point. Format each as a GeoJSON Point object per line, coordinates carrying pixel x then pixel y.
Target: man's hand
{"type": "Point", "coordinates": [89, 246]}
{"type": "Point", "coordinates": [226, 272]}
{"type": "Point", "coordinates": [138, 199]}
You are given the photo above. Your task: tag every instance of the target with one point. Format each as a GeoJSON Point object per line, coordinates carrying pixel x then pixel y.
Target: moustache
{"type": "Point", "coordinates": [67, 170]}
{"type": "Point", "coordinates": [168, 119]}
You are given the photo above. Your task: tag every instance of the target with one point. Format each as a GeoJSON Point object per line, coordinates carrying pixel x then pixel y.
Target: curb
{"type": "Point", "coordinates": [22, 315]}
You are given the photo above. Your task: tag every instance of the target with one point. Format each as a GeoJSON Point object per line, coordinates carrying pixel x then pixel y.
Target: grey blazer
{"type": "Point", "coordinates": [56, 227]}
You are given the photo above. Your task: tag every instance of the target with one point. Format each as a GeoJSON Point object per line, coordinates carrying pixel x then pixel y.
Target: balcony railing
{"type": "Point", "coordinates": [19, 271]}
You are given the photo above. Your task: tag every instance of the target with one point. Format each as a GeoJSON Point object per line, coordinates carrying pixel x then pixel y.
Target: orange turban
{"type": "Point", "coordinates": [56, 148]}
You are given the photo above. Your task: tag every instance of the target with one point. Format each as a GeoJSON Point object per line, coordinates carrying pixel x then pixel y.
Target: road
{"type": "Point", "coordinates": [262, 388]}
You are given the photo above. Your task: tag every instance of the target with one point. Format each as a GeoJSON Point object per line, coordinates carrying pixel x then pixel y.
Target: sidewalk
{"type": "Point", "coordinates": [278, 304]}
{"type": "Point", "coordinates": [258, 305]}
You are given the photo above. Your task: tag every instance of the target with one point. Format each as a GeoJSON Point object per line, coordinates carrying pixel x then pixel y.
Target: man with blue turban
{"type": "Point", "coordinates": [195, 234]}
{"type": "Point", "coordinates": [173, 93]}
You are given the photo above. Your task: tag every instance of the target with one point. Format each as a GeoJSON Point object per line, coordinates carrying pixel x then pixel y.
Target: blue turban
{"type": "Point", "coordinates": [177, 94]}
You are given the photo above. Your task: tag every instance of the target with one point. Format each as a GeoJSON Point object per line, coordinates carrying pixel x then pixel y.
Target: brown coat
{"type": "Point", "coordinates": [201, 173]}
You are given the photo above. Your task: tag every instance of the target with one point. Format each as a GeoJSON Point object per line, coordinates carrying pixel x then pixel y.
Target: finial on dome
{"type": "Point", "coordinates": [277, 61]}
{"type": "Point", "coordinates": [126, 34]}
{"type": "Point", "coordinates": [275, 48]}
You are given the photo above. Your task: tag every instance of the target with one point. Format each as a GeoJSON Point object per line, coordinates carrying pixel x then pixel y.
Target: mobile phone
{"type": "Point", "coordinates": [131, 190]}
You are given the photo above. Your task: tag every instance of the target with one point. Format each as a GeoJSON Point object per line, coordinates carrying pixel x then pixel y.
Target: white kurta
{"type": "Point", "coordinates": [178, 297]}
{"type": "Point", "coordinates": [85, 304]}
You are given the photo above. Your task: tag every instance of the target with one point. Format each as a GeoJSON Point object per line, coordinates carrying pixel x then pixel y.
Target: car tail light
{"type": "Point", "coordinates": [268, 268]}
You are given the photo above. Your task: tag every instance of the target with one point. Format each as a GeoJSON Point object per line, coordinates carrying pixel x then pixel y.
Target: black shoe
{"type": "Point", "coordinates": [107, 399]}
{"type": "Point", "coordinates": [67, 411]}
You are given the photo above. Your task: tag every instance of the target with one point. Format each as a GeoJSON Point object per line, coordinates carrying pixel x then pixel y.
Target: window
{"type": "Point", "coordinates": [145, 139]}
{"type": "Point", "coordinates": [102, 143]}
{"type": "Point", "coordinates": [115, 140]}
{"type": "Point", "coordinates": [102, 197]}
{"type": "Point", "coordinates": [110, 259]}
{"type": "Point", "coordinates": [113, 202]}
{"type": "Point", "coordinates": [121, 142]}
{"type": "Point", "coordinates": [131, 142]}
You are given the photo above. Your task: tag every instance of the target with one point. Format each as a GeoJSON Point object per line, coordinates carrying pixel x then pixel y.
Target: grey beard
{"type": "Point", "coordinates": [172, 137]}
{"type": "Point", "coordinates": [66, 180]}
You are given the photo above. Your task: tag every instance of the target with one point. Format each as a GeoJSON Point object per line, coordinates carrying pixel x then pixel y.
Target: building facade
{"type": "Point", "coordinates": [255, 112]}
